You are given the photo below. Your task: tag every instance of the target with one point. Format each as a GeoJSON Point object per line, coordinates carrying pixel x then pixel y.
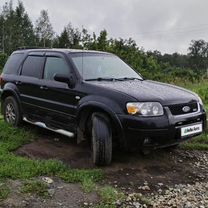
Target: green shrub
{"type": "Point", "coordinates": [3, 59]}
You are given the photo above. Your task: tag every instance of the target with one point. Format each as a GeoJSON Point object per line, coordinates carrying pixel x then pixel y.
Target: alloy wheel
{"type": "Point", "coordinates": [10, 113]}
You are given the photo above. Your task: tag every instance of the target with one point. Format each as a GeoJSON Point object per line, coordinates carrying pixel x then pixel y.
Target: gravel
{"type": "Point", "coordinates": [183, 196]}
{"type": "Point", "coordinates": [186, 195]}
{"type": "Point", "coordinates": [194, 195]}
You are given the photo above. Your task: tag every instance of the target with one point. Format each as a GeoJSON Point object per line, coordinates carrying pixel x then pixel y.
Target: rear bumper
{"type": "Point", "coordinates": [157, 132]}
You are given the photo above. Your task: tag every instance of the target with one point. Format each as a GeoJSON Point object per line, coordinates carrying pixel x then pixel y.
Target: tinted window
{"type": "Point", "coordinates": [33, 66]}
{"type": "Point", "coordinates": [13, 63]}
{"type": "Point", "coordinates": [55, 65]}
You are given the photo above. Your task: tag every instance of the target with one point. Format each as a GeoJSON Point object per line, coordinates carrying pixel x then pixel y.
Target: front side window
{"type": "Point", "coordinates": [33, 66]}
{"type": "Point", "coordinates": [55, 65]}
{"type": "Point", "coordinates": [95, 65]}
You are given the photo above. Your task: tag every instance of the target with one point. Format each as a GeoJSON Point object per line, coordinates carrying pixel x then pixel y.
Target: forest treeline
{"type": "Point", "coordinates": [17, 30]}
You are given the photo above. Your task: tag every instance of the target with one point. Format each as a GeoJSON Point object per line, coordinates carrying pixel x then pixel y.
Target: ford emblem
{"type": "Point", "coordinates": [186, 109]}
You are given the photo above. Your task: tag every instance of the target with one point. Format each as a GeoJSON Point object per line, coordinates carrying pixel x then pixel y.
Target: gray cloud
{"type": "Point", "coordinates": [165, 25]}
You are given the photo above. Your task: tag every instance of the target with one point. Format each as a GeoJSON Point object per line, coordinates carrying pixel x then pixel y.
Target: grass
{"type": "Point", "coordinates": [199, 88]}
{"type": "Point", "coordinates": [88, 185]}
{"type": "Point", "coordinates": [4, 191]}
{"type": "Point", "coordinates": [11, 164]}
{"type": "Point", "coordinates": [109, 196]}
{"type": "Point", "coordinates": [35, 187]}
{"type": "Point", "coordinates": [198, 143]}
{"type": "Point", "coordinates": [201, 142]}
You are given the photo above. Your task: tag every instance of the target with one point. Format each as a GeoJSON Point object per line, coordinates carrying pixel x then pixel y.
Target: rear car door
{"type": "Point", "coordinates": [29, 83]}
{"type": "Point", "coordinates": [59, 98]}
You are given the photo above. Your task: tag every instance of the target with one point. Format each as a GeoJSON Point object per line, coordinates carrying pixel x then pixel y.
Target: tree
{"type": "Point", "coordinates": [7, 27]}
{"type": "Point", "coordinates": [44, 30]}
{"type": "Point", "coordinates": [70, 37]}
{"type": "Point", "coordinates": [24, 35]}
{"type": "Point", "coordinates": [2, 34]}
{"type": "Point", "coordinates": [16, 28]}
{"type": "Point", "coordinates": [198, 52]}
{"type": "Point", "coordinates": [76, 37]}
{"type": "Point", "coordinates": [86, 39]}
{"type": "Point", "coordinates": [64, 41]}
{"type": "Point", "coordinates": [102, 41]}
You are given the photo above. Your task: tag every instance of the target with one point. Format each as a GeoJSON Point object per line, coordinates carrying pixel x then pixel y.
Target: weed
{"type": "Point", "coordinates": [35, 187]}
{"type": "Point", "coordinates": [109, 196]}
{"type": "Point", "coordinates": [88, 185]}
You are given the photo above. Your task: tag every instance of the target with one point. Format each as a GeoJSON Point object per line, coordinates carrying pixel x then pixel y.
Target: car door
{"type": "Point", "coordinates": [59, 99]}
{"type": "Point", "coordinates": [29, 83]}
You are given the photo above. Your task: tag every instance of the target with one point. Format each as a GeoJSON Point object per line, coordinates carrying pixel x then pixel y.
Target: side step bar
{"type": "Point", "coordinates": [41, 124]}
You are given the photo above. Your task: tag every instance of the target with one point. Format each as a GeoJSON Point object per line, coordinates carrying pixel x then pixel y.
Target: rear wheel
{"type": "Point", "coordinates": [101, 139]}
{"type": "Point", "coordinates": [11, 111]}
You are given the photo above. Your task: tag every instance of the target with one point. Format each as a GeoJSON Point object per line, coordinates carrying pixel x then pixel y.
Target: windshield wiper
{"type": "Point", "coordinates": [129, 78]}
{"type": "Point", "coordinates": [113, 79]}
{"type": "Point", "coordinates": [100, 79]}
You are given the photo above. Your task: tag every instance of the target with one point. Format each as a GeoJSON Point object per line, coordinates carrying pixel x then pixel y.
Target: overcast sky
{"type": "Point", "coordinates": [165, 25]}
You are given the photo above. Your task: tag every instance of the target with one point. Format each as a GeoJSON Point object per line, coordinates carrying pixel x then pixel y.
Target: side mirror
{"type": "Point", "coordinates": [66, 79]}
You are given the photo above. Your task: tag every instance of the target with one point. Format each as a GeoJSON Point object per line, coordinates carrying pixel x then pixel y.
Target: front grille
{"type": "Point", "coordinates": [180, 109]}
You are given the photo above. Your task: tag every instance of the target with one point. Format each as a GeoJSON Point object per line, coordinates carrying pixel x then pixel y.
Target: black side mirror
{"type": "Point", "coordinates": [66, 79]}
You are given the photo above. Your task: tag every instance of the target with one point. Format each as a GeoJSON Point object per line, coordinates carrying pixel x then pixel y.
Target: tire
{"type": "Point", "coordinates": [101, 139]}
{"type": "Point", "coordinates": [11, 111]}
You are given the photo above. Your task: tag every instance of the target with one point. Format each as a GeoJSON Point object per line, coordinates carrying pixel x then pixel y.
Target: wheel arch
{"type": "Point", "coordinates": [10, 92]}
{"type": "Point", "coordinates": [85, 112]}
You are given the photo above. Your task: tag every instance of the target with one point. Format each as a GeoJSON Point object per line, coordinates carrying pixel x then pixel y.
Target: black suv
{"type": "Point", "coordinates": [95, 96]}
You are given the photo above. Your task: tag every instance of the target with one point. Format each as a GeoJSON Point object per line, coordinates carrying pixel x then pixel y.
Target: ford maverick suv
{"type": "Point", "coordinates": [95, 96]}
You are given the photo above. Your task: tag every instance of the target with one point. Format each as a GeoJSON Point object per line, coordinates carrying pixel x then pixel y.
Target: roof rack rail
{"type": "Point", "coordinates": [35, 47]}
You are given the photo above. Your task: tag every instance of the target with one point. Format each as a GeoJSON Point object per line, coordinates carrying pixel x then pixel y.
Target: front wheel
{"type": "Point", "coordinates": [101, 139]}
{"type": "Point", "coordinates": [11, 111]}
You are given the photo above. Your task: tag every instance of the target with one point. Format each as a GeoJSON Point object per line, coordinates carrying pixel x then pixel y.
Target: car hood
{"type": "Point", "coordinates": [148, 90]}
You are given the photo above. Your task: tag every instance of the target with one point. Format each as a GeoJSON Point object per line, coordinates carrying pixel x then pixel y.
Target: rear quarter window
{"type": "Point", "coordinates": [13, 63]}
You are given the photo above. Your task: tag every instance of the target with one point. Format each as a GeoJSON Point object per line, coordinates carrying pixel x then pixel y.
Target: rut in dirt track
{"type": "Point", "coordinates": [127, 170]}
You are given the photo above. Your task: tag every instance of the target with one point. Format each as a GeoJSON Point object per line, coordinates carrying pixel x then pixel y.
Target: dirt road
{"type": "Point", "coordinates": [152, 175]}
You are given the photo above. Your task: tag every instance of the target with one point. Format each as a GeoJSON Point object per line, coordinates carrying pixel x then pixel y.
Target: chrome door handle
{"type": "Point", "coordinates": [43, 87]}
{"type": "Point", "coordinates": [18, 82]}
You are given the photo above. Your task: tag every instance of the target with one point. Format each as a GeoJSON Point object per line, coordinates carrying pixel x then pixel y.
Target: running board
{"type": "Point", "coordinates": [41, 124]}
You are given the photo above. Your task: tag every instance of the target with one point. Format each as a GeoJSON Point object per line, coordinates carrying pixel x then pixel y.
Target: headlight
{"type": "Point", "coordinates": [145, 108]}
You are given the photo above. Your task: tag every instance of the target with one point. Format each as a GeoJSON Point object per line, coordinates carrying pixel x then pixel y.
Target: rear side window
{"type": "Point", "coordinates": [33, 66]}
{"type": "Point", "coordinates": [55, 65]}
{"type": "Point", "coordinates": [13, 64]}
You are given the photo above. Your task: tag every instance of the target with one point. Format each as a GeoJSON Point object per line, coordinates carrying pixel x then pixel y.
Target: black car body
{"type": "Point", "coordinates": [47, 89]}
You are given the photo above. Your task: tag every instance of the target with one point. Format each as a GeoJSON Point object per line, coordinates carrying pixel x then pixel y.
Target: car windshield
{"type": "Point", "coordinates": [98, 66]}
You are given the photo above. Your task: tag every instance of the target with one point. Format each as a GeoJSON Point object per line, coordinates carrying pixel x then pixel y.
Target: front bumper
{"type": "Point", "coordinates": [157, 132]}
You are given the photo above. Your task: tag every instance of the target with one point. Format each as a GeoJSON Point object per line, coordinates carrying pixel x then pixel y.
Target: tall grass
{"type": "Point", "coordinates": [200, 88]}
